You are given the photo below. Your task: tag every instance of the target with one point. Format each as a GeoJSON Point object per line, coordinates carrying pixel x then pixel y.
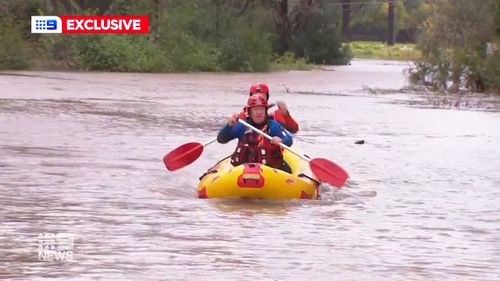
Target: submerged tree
{"type": "Point", "coordinates": [453, 43]}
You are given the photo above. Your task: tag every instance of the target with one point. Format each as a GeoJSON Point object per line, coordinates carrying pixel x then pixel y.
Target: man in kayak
{"type": "Point", "coordinates": [252, 147]}
{"type": "Point", "coordinates": [282, 115]}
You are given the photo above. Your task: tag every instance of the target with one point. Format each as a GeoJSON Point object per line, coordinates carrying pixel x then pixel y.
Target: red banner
{"type": "Point", "coordinates": [105, 24]}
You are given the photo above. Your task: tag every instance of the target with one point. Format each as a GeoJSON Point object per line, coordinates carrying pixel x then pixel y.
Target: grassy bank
{"type": "Point", "coordinates": [379, 50]}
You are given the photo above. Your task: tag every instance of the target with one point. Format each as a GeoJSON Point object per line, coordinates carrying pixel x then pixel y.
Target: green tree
{"type": "Point", "coordinates": [453, 43]}
{"type": "Point", "coordinates": [14, 49]}
{"type": "Point", "coordinates": [496, 9]}
{"type": "Point", "coordinates": [316, 36]}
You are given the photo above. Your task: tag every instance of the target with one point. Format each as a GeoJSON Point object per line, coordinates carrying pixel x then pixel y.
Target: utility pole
{"type": "Point", "coordinates": [391, 16]}
{"type": "Point", "coordinates": [346, 20]}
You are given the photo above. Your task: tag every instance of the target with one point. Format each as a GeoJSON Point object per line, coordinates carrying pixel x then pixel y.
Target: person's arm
{"type": "Point", "coordinates": [224, 135]}
{"type": "Point", "coordinates": [277, 131]}
{"type": "Point", "coordinates": [287, 121]}
{"type": "Point", "coordinates": [228, 133]}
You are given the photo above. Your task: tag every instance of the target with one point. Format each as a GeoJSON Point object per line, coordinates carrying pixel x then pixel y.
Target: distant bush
{"type": "Point", "coordinates": [188, 53]}
{"type": "Point", "coordinates": [231, 56]}
{"type": "Point", "coordinates": [289, 61]}
{"type": "Point", "coordinates": [134, 53]}
{"type": "Point", "coordinates": [456, 58]}
{"type": "Point", "coordinates": [245, 51]}
{"type": "Point", "coordinates": [492, 72]}
{"type": "Point", "coordinates": [14, 49]}
{"type": "Point", "coordinates": [319, 41]}
{"type": "Point", "coordinates": [181, 33]}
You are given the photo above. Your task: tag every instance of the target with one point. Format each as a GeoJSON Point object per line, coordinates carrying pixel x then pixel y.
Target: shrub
{"type": "Point", "coordinates": [14, 49]}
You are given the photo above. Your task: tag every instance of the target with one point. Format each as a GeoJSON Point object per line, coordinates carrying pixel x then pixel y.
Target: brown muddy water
{"type": "Point", "coordinates": [81, 154]}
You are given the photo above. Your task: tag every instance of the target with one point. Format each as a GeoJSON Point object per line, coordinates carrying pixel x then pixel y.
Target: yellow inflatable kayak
{"type": "Point", "coordinates": [252, 180]}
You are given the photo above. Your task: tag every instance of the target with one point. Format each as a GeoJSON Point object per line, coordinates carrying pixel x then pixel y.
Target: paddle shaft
{"type": "Point", "coordinates": [215, 139]}
{"type": "Point", "coordinates": [270, 138]}
{"type": "Point", "coordinates": [209, 142]}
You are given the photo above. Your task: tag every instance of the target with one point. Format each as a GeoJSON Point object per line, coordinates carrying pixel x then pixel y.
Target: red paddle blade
{"type": "Point", "coordinates": [182, 155]}
{"type": "Point", "coordinates": [328, 172]}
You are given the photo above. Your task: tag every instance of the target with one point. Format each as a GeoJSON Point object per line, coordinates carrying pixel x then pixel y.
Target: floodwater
{"type": "Point", "coordinates": [81, 154]}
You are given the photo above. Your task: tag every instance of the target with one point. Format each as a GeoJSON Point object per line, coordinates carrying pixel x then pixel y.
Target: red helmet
{"type": "Point", "coordinates": [256, 101]}
{"type": "Point", "coordinates": [259, 88]}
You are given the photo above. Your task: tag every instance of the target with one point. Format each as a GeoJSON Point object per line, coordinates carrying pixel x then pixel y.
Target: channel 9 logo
{"type": "Point", "coordinates": [46, 24]}
{"type": "Point", "coordinates": [89, 24]}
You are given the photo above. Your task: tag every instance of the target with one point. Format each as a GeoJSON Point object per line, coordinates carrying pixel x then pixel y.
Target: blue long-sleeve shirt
{"type": "Point", "coordinates": [228, 133]}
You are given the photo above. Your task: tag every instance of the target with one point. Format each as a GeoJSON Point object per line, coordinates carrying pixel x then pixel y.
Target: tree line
{"type": "Point", "coordinates": [197, 35]}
